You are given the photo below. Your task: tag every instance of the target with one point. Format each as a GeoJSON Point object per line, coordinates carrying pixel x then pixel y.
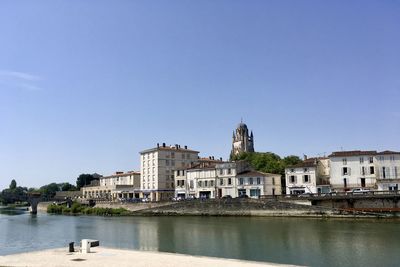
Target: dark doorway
{"type": "Point", "coordinates": [362, 182]}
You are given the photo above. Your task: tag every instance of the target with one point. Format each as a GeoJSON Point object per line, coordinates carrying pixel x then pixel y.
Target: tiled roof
{"type": "Point", "coordinates": [121, 174]}
{"type": "Point", "coordinates": [255, 173]}
{"type": "Point", "coordinates": [388, 152]}
{"type": "Point", "coordinates": [308, 163]}
{"type": "Point", "coordinates": [352, 153]}
{"type": "Point", "coordinates": [169, 148]}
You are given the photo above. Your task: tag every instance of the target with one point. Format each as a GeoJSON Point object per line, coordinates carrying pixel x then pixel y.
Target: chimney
{"type": "Point", "coordinates": [163, 144]}
{"type": "Point", "coordinates": [158, 145]}
{"type": "Point", "coordinates": [185, 147]}
{"type": "Point", "coordinates": [220, 158]}
{"type": "Point", "coordinates": [305, 157]}
{"type": "Point", "coordinates": [176, 146]}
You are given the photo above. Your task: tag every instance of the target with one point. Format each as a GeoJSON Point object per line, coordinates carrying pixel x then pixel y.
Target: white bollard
{"type": "Point", "coordinates": [85, 245]}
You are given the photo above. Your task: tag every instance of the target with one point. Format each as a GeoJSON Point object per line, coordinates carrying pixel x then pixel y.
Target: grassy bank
{"type": "Point", "coordinates": [79, 209]}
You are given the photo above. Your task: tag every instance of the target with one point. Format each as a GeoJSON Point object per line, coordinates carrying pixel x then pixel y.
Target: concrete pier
{"type": "Point", "coordinates": [101, 256]}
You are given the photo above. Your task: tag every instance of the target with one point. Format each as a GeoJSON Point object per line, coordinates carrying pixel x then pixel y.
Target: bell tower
{"type": "Point", "coordinates": [241, 140]}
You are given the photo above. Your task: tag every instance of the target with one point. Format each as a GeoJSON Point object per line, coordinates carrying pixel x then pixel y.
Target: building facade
{"type": "Point", "coordinates": [242, 141]}
{"type": "Point", "coordinates": [117, 186]}
{"type": "Point", "coordinates": [387, 170]}
{"type": "Point", "coordinates": [352, 169]}
{"type": "Point", "coordinates": [217, 180]}
{"type": "Point", "coordinates": [308, 177]}
{"type": "Point", "coordinates": [157, 167]}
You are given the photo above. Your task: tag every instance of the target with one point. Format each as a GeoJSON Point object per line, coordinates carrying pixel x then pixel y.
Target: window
{"type": "Point", "coordinates": [178, 173]}
{"type": "Point", "coordinates": [345, 171]}
{"type": "Point", "coordinates": [205, 183]}
{"type": "Point", "coordinates": [391, 158]}
{"type": "Point", "coordinates": [361, 160]}
{"type": "Point", "coordinates": [240, 181]}
{"type": "Point", "coordinates": [191, 185]}
{"type": "Point", "coordinates": [211, 183]}
{"type": "Point", "coordinates": [167, 162]}
{"type": "Point", "coordinates": [306, 178]}
{"type": "Point", "coordinates": [172, 185]}
{"type": "Point", "coordinates": [255, 192]}
{"type": "Point", "coordinates": [384, 172]}
{"type": "Point", "coordinates": [345, 182]}
{"type": "Point", "coordinates": [371, 170]}
{"type": "Point", "coordinates": [292, 170]}
{"type": "Point", "coordinates": [172, 154]}
{"type": "Point", "coordinates": [363, 170]}
{"type": "Point", "coordinates": [305, 169]}
{"type": "Point", "coordinates": [229, 181]}
{"type": "Point", "coordinates": [221, 181]}
{"type": "Point", "coordinates": [344, 161]}
{"type": "Point", "coordinates": [229, 171]}
{"type": "Point", "coordinates": [395, 172]}
{"type": "Point", "coordinates": [199, 184]}
{"type": "Point", "coordinates": [371, 159]}
{"type": "Point", "coordinates": [250, 180]}
{"type": "Point", "coordinates": [221, 171]}
{"type": "Point", "coordinates": [258, 180]}
{"type": "Point", "coordinates": [273, 180]}
{"type": "Point", "coordinates": [183, 182]}
{"type": "Point", "coordinates": [292, 179]}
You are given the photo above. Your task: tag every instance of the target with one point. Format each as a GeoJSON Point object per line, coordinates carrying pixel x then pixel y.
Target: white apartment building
{"type": "Point", "coordinates": [352, 169]}
{"type": "Point", "coordinates": [157, 166]}
{"type": "Point", "coordinates": [387, 170]}
{"type": "Point", "coordinates": [308, 177]}
{"type": "Point", "coordinates": [117, 186]}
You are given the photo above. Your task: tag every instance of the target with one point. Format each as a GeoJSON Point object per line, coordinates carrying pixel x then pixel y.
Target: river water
{"type": "Point", "coordinates": [313, 242]}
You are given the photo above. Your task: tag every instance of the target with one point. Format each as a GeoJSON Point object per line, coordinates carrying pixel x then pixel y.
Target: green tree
{"type": "Point", "coordinates": [268, 162]}
{"type": "Point", "coordinates": [67, 187]}
{"type": "Point", "coordinates": [49, 191]}
{"type": "Point", "coordinates": [86, 179]}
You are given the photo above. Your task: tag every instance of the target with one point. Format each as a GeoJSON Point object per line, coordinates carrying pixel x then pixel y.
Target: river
{"type": "Point", "coordinates": [304, 241]}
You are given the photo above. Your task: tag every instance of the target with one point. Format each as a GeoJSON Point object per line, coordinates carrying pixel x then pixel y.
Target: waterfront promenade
{"type": "Point", "coordinates": [101, 256]}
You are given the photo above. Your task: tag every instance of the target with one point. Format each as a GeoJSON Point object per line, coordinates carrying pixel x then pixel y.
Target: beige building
{"type": "Point", "coordinates": [113, 187]}
{"type": "Point", "coordinates": [157, 166]}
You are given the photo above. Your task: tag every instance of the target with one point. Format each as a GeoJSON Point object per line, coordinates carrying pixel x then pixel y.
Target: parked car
{"type": "Point", "coordinates": [145, 200]}
{"type": "Point", "coordinates": [177, 199]}
{"type": "Point", "coordinates": [305, 195]}
{"type": "Point", "coordinates": [360, 191]}
{"type": "Point", "coordinates": [227, 196]}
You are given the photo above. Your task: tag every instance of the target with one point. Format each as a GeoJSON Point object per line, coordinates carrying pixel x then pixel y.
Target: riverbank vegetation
{"type": "Point", "coordinates": [79, 209]}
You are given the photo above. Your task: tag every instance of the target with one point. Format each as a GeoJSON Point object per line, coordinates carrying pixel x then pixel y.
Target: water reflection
{"type": "Point", "coordinates": [312, 242]}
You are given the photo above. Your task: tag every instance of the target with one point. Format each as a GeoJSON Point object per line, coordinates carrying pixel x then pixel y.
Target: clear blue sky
{"type": "Point", "coordinates": [86, 85]}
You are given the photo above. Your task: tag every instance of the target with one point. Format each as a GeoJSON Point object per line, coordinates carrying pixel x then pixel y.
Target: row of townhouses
{"type": "Point", "coordinates": [345, 170]}
{"type": "Point", "coordinates": [173, 171]}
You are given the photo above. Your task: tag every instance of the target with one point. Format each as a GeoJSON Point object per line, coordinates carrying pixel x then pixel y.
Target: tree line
{"type": "Point", "coordinates": [15, 193]}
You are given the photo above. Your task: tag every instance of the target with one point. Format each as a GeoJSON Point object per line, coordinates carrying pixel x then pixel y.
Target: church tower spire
{"type": "Point", "coordinates": [242, 141]}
